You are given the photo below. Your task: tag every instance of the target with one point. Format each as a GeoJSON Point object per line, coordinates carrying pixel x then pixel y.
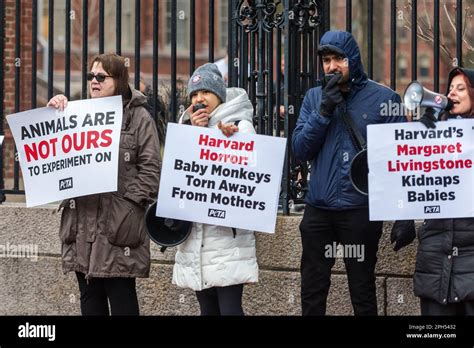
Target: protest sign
{"type": "Point", "coordinates": [209, 178]}
{"type": "Point", "coordinates": [70, 153]}
{"type": "Point", "coordinates": [420, 173]}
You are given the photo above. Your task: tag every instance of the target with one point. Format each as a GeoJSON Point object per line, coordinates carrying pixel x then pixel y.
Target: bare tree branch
{"type": "Point", "coordinates": [425, 31]}
{"type": "Point", "coordinates": [427, 15]}
{"type": "Point", "coordinates": [449, 17]}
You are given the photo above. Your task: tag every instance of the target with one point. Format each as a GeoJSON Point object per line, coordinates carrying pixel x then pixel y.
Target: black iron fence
{"type": "Point", "coordinates": [271, 47]}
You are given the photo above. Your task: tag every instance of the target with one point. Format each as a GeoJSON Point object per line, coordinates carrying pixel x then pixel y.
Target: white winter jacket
{"type": "Point", "coordinates": [212, 255]}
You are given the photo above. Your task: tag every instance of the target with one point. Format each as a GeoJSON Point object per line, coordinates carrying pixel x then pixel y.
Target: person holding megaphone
{"type": "Point", "coordinates": [444, 271]}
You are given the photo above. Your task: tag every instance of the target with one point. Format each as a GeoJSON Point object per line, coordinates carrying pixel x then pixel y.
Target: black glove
{"type": "Point", "coordinates": [403, 233]}
{"type": "Point", "coordinates": [332, 96]}
{"type": "Point", "coordinates": [429, 118]}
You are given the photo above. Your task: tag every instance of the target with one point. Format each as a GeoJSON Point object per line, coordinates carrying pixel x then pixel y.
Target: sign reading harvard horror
{"type": "Point", "coordinates": [418, 173]}
{"type": "Point", "coordinates": [209, 178]}
{"type": "Point", "coordinates": [70, 153]}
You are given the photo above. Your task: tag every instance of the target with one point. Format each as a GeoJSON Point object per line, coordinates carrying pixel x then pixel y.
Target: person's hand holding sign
{"type": "Point", "coordinates": [58, 102]}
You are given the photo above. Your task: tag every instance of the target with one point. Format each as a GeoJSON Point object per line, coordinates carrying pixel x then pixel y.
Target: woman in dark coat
{"type": "Point", "coordinates": [103, 235]}
{"type": "Point", "coordinates": [444, 271]}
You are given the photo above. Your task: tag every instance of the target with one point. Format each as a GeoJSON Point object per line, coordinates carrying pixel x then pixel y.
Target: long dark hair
{"type": "Point", "coordinates": [115, 66]}
{"type": "Point", "coordinates": [470, 92]}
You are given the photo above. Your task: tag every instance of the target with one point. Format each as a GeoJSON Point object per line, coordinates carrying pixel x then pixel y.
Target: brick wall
{"type": "Point", "coordinates": [24, 61]}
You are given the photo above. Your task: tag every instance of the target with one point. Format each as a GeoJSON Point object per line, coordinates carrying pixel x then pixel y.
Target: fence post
{"type": "Point", "coordinates": [2, 95]}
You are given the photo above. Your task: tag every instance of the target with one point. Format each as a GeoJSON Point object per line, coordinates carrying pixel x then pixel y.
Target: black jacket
{"type": "Point", "coordinates": [445, 262]}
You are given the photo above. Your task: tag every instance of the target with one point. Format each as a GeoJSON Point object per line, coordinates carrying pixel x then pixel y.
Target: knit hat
{"type": "Point", "coordinates": [207, 78]}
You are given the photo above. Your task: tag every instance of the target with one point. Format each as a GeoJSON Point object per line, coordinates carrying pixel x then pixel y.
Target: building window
{"type": "Point", "coordinates": [402, 67]}
{"type": "Point", "coordinates": [110, 16]}
{"type": "Point", "coordinates": [183, 26]}
{"type": "Point", "coordinates": [223, 24]}
{"type": "Point", "coordinates": [59, 14]}
{"type": "Point", "coordinates": [128, 24]}
{"type": "Point", "coordinates": [424, 66]}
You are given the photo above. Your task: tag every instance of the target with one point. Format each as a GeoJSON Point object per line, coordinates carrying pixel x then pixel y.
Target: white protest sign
{"type": "Point", "coordinates": [209, 178]}
{"type": "Point", "coordinates": [420, 173]}
{"type": "Point", "coordinates": [71, 153]}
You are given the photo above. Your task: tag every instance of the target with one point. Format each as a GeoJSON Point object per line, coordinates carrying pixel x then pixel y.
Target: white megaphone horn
{"type": "Point", "coordinates": [416, 96]}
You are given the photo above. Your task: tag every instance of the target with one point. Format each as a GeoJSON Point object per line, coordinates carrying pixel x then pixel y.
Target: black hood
{"type": "Point", "coordinates": [344, 43]}
{"type": "Point", "coordinates": [468, 72]}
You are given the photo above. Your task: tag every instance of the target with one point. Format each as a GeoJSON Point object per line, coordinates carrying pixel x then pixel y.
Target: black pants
{"type": "Point", "coordinates": [320, 230]}
{"type": "Point", "coordinates": [432, 307]}
{"type": "Point", "coordinates": [225, 300]}
{"type": "Point", "coordinates": [96, 295]}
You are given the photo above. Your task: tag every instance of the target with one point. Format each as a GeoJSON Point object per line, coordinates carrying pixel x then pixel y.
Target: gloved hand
{"type": "Point", "coordinates": [403, 233]}
{"type": "Point", "coordinates": [429, 118]}
{"type": "Point", "coordinates": [332, 96]}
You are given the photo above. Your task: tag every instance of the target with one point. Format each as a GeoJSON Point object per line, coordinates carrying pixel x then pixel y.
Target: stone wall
{"type": "Point", "coordinates": [37, 286]}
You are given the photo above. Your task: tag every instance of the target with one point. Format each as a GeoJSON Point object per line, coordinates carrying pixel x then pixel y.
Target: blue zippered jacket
{"type": "Point", "coordinates": [326, 141]}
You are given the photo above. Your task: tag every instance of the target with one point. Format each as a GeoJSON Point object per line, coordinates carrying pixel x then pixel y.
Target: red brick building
{"type": "Point", "coordinates": [381, 61]}
{"type": "Point", "coordinates": [24, 61]}
{"type": "Point", "coordinates": [404, 58]}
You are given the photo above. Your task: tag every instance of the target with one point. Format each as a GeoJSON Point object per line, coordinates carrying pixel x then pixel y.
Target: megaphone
{"type": "Point", "coordinates": [416, 96]}
{"type": "Point", "coordinates": [359, 172]}
{"type": "Point", "coordinates": [166, 232]}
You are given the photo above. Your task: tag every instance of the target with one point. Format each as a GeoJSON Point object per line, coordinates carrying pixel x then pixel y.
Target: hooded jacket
{"type": "Point", "coordinates": [326, 141]}
{"type": "Point", "coordinates": [103, 235]}
{"type": "Point", "coordinates": [213, 255]}
{"type": "Point", "coordinates": [444, 269]}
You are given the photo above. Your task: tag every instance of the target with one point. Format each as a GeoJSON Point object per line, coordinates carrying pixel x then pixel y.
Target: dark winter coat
{"type": "Point", "coordinates": [444, 269]}
{"type": "Point", "coordinates": [445, 260]}
{"type": "Point", "coordinates": [103, 235]}
{"type": "Point", "coordinates": [326, 141]}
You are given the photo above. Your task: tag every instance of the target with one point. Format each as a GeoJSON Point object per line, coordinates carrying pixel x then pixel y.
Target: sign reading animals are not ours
{"type": "Point", "coordinates": [70, 153]}
{"type": "Point", "coordinates": [209, 178]}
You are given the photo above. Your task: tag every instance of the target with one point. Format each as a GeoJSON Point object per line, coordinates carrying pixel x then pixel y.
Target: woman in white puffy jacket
{"type": "Point", "coordinates": [216, 261]}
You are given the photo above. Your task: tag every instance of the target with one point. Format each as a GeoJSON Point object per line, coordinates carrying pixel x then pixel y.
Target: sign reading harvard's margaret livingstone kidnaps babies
{"type": "Point", "coordinates": [209, 178]}
{"type": "Point", "coordinates": [420, 173]}
{"type": "Point", "coordinates": [68, 153]}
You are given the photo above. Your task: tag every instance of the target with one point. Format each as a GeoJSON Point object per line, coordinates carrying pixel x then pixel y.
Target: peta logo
{"type": "Point", "coordinates": [37, 331]}
{"type": "Point", "coordinates": [216, 213]}
{"type": "Point", "coordinates": [432, 209]}
{"type": "Point", "coordinates": [65, 184]}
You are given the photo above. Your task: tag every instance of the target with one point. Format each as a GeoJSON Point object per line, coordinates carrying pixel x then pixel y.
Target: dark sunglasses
{"type": "Point", "coordinates": [98, 77]}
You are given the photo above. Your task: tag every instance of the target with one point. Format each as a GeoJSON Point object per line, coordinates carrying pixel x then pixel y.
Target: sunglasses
{"type": "Point", "coordinates": [98, 77]}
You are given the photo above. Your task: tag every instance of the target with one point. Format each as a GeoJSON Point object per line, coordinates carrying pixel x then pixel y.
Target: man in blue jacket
{"type": "Point", "coordinates": [336, 213]}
